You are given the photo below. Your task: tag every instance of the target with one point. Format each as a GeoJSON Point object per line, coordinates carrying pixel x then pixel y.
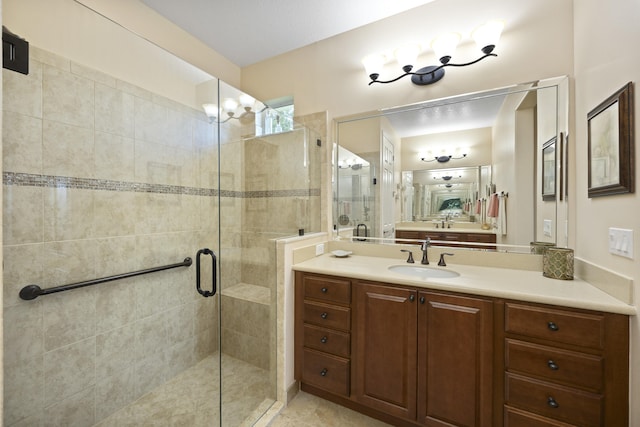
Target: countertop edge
{"type": "Point", "coordinates": [481, 281]}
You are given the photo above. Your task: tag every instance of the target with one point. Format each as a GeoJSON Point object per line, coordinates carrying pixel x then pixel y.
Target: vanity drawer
{"type": "Point", "coordinates": [327, 340]}
{"type": "Point", "coordinates": [327, 289]}
{"type": "Point", "coordinates": [328, 316]}
{"type": "Point", "coordinates": [325, 371]}
{"type": "Point", "coordinates": [568, 327]}
{"type": "Point", "coordinates": [554, 401]}
{"type": "Point", "coordinates": [568, 367]}
{"type": "Point", "coordinates": [516, 418]}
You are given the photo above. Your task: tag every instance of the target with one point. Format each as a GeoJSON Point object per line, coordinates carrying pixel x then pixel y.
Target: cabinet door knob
{"type": "Point", "coordinates": [324, 372]}
{"type": "Point", "coordinates": [412, 297]}
{"type": "Point", "coordinates": [422, 300]}
{"type": "Point", "coordinates": [323, 340]}
{"type": "Point", "coordinates": [324, 290]}
{"type": "Point", "coordinates": [552, 402]}
{"type": "Point", "coordinates": [324, 315]}
{"type": "Point", "coordinates": [552, 365]}
{"type": "Point", "coordinates": [553, 327]}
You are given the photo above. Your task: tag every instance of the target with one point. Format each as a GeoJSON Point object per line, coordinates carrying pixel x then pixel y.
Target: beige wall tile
{"type": "Point", "coordinates": [115, 352]}
{"type": "Point", "coordinates": [69, 370]}
{"type": "Point", "coordinates": [68, 150]}
{"type": "Point", "coordinates": [68, 214]}
{"type": "Point", "coordinates": [22, 267]}
{"type": "Point", "coordinates": [24, 389]}
{"type": "Point", "coordinates": [113, 213]}
{"type": "Point", "coordinates": [69, 317]}
{"type": "Point", "coordinates": [21, 143]}
{"type": "Point", "coordinates": [68, 262]}
{"type": "Point", "coordinates": [23, 93]}
{"type": "Point", "coordinates": [77, 410]}
{"type": "Point", "coordinates": [67, 98]}
{"type": "Point", "coordinates": [114, 111]}
{"type": "Point", "coordinates": [114, 392]}
{"type": "Point", "coordinates": [22, 215]}
{"type": "Point", "coordinates": [115, 305]}
{"type": "Point", "coordinates": [114, 158]}
{"type": "Point", "coordinates": [24, 334]}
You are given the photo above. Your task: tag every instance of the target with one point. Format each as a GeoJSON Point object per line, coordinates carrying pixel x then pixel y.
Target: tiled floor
{"type": "Point", "coordinates": [306, 410]}
{"type": "Point", "coordinates": [190, 399]}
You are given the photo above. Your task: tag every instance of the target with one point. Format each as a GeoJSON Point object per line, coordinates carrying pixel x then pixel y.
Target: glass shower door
{"type": "Point", "coordinates": [110, 167]}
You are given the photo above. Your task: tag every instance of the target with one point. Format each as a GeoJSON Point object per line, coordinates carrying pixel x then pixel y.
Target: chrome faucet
{"type": "Point", "coordinates": [424, 247]}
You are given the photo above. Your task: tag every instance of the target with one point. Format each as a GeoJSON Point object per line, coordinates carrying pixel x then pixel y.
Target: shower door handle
{"type": "Point", "coordinates": [211, 293]}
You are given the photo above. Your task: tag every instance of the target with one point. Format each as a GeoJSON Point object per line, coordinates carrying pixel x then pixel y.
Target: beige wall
{"type": "Point", "coordinates": [150, 25]}
{"type": "Point", "coordinates": [606, 58]}
{"type": "Point", "coordinates": [329, 76]}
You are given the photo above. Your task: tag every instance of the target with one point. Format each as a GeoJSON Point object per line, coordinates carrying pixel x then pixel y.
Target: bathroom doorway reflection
{"type": "Point", "coordinates": [111, 166]}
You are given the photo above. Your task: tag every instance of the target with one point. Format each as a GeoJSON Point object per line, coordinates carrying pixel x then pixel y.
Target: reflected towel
{"type": "Point", "coordinates": [478, 204]}
{"type": "Point", "coordinates": [502, 216]}
{"type": "Point", "coordinates": [494, 206]}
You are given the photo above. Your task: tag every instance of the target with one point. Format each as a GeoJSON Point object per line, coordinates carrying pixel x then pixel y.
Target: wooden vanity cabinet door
{"type": "Point", "coordinates": [385, 345]}
{"type": "Point", "coordinates": [455, 360]}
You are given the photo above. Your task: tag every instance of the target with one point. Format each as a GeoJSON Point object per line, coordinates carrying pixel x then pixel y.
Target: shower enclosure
{"type": "Point", "coordinates": [118, 184]}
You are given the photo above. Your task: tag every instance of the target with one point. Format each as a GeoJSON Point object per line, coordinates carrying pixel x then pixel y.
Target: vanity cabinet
{"type": "Point", "coordinates": [565, 367]}
{"type": "Point", "coordinates": [452, 238]}
{"type": "Point", "coordinates": [415, 357]}
{"type": "Point", "coordinates": [323, 332]}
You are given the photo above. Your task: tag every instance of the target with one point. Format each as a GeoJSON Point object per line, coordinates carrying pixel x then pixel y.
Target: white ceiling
{"type": "Point", "coordinates": [250, 31]}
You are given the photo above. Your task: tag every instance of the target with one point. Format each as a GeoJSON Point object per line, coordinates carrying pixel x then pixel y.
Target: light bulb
{"type": "Point", "coordinates": [487, 35]}
{"type": "Point", "coordinates": [211, 110]}
{"type": "Point", "coordinates": [373, 65]}
{"type": "Point", "coordinates": [407, 55]}
{"type": "Point", "coordinates": [445, 45]}
{"type": "Point", "coordinates": [230, 106]}
{"type": "Point", "coordinates": [247, 101]}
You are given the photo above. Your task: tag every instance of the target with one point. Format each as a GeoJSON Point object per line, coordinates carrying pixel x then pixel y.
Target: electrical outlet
{"type": "Point", "coordinates": [319, 249]}
{"type": "Point", "coordinates": [546, 227]}
{"type": "Point", "coordinates": [621, 242]}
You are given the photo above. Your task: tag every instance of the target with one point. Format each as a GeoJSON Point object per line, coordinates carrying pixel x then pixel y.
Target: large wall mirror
{"type": "Point", "coordinates": [476, 168]}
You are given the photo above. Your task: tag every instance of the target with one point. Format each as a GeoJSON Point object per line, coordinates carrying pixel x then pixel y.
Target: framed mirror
{"type": "Point", "coordinates": [472, 165]}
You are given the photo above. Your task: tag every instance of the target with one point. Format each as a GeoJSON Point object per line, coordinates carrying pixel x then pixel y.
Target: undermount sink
{"type": "Point", "coordinates": [423, 272]}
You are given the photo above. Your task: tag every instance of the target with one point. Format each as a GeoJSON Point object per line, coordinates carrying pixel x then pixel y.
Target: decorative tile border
{"type": "Point", "coordinates": [53, 181]}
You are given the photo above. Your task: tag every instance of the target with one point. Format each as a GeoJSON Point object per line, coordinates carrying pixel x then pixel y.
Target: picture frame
{"type": "Point", "coordinates": [611, 145]}
{"type": "Point", "coordinates": [549, 162]}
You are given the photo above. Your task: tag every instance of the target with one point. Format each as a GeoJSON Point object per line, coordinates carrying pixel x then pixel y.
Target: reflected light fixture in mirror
{"type": "Point", "coordinates": [486, 37]}
{"type": "Point", "coordinates": [442, 159]}
{"type": "Point", "coordinates": [230, 107]}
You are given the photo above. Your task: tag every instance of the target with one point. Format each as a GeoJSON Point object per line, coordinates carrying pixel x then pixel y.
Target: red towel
{"type": "Point", "coordinates": [494, 204]}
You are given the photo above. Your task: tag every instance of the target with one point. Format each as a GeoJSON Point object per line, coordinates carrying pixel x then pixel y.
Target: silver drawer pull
{"type": "Point", "coordinates": [552, 402]}
{"type": "Point", "coordinates": [553, 327]}
{"type": "Point", "coordinates": [324, 290]}
{"type": "Point", "coordinates": [324, 315]}
{"type": "Point", "coordinates": [324, 372]}
{"type": "Point", "coordinates": [552, 365]}
{"type": "Point", "coordinates": [323, 340]}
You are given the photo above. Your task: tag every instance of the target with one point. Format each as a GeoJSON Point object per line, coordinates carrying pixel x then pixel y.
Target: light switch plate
{"type": "Point", "coordinates": [319, 249]}
{"type": "Point", "coordinates": [621, 242]}
{"type": "Point", "coordinates": [546, 227]}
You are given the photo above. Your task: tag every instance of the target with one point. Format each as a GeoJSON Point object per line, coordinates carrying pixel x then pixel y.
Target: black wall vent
{"type": "Point", "coordinates": [15, 52]}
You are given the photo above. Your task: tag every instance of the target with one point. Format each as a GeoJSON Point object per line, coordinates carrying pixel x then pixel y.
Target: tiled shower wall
{"type": "Point", "coordinates": [100, 178]}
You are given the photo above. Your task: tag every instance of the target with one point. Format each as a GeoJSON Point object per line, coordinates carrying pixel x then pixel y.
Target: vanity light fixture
{"type": "Point", "coordinates": [230, 108]}
{"type": "Point", "coordinates": [447, 177]}
{"type": "Point", "coordinates": [442, 159]}
{"type": "Point", "coordinates": [486, 37]}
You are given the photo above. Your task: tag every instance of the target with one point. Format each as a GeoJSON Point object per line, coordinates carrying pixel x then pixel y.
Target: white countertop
{"type": "Point", "coordinates": [523, 285]}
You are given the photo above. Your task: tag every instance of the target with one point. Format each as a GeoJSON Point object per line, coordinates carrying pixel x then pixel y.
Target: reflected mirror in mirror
{"type": "Point", "coordinates": [470, 164]}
